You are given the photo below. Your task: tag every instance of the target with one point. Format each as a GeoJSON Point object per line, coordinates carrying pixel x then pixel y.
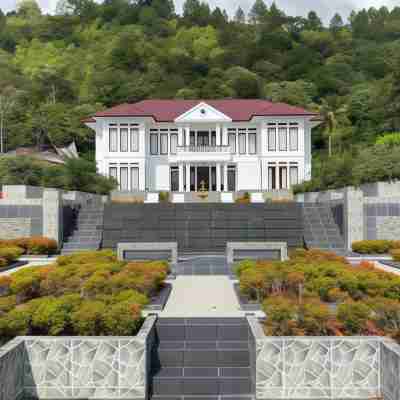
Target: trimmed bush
{"type": "Point", "coordinates": [34, 245]}
{"type": "Point", "coordinates": [395, 253]}
{"type": "Point", "coordinates": [375, 246]}
{"type": "Point", "coordinates": [89, 293]}
{"type": "Point", "coordinates": [11, 254]}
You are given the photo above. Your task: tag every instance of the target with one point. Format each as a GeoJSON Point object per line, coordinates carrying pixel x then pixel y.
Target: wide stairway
{"type": "Point", "coordinates": [198, 358]}
{"type": "Point", "coordinates": [88, 231]}
{"type": "Point", "coordinates": [320, 228]}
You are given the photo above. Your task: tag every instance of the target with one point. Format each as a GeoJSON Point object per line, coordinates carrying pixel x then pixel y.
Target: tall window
{"type": "Point", "coordinates": [272, 178]}
{"type": "Point", "coordinates": [232, 141]}
{"type": "Point", "coordinates": [154, 143]}
{"type": "Point", "coordinates": [282, 139]}
{"type": "Point", "coordinates": [271, 139]}
{"type": "Point", "coordinates": [135, 178]}
{"type": "Point", "coordinates": [164, 143]}
{"type": "Point", "coordinates": [113, 139]}
{"type": "Point", "coordinates": [294, 138]}
{"type": "Point", "coordinates": [294, 175]}
{"type": "Point", "coordinates": [283, 177]}
{"type": "Point", "coordinates": [124, 183]}
{"type": "Point", "coordinates": [134, 139]}
{"type": "Point", "coordinates": [252, 143]}
{"type": "Point", "coordinates": [174, 143]}
{"type": "Point", "coordinates": [113, 173]}
{"type": "Point", "coordinates": [242, 142]}
{"type": "Point", "coordinates": [124, 140]}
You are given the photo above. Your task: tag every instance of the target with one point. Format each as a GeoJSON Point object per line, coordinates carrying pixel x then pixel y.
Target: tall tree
{"type": "Point", "coordinates": [313, 23]}
{"type": "Point", "coordinates": [336, 23]}
{"type": "Point", "coordinates": [8, 99]}
{"type": "Point", "coordinates": [28, 9]}
{"type": "Point", "coordinates": [258, 12]}
{"type": "Point", "coordinates": [2, 20]}
{"type": "Point", "coordinates": [196, 12]}
{"type": "Point", "coordinates": [240, 16]}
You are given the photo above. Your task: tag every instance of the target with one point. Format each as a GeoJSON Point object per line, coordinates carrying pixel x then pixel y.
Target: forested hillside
{"type": "Point", "coordinates": [57, 69]}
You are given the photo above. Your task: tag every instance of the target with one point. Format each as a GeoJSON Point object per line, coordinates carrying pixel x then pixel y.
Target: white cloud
{"type": "Point", "coordinates": [325, 8]}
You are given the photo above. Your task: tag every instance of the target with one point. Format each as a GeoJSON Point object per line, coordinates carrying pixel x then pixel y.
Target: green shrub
{"type": "Point", "coordinates": [16, 322]}
{"type": "Point", "coordinates": [354, 317]}
{"type": "Point", "coordinates": [87, 320]}
{"type": "Point", "coordinates": [373, 246]}
{"type": "Point", "coordinates": [7, 304]}
{"type": "Point", "coordinates": [163, 197]}
{"type": "Point", "coordinates": [42, 245]}
{"type": "Point", "coordinates": [11, 254]}
{"type": "Point", "coordinates": [395, 253]}
{"type": "Point", "coordinates": [243, 266]}
{"type": "Point", "coordinates": [122, 319]}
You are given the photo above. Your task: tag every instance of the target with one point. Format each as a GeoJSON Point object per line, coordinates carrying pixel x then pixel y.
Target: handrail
{"type": "Point", "coordinates": [204, 149]}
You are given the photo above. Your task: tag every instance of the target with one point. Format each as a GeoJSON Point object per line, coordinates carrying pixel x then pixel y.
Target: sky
{"type": "Point", "coordinates": [325, 8]}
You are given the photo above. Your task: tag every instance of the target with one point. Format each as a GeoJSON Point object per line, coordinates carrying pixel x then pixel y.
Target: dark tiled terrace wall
{"type": "Point", "coordinates": [374, 215]}
{"type": "Point", "coordinates": [35, 213]}
{"type": "Point", "coordinates": [203, 227]}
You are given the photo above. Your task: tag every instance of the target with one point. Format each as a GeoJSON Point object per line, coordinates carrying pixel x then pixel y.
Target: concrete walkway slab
{"type": "Point", "coordinates": [202, 296]}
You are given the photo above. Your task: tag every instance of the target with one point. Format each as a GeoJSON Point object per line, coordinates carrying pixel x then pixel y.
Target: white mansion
{"type": "Point", "coordinates": [192, 145]}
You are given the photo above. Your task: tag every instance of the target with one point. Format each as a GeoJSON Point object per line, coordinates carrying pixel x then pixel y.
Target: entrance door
{"type": "Point", "coordinates": [203, 178]}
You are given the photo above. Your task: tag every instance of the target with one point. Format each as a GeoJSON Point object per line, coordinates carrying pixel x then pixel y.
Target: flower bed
{"type": "Point", "coordinates": [88, 294]}
{"type": "Point", "coordinates": [320, 293]}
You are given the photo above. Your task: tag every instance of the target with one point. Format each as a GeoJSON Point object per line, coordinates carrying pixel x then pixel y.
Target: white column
{"type": "Point", "coordinates": [225, 177]}
{"type": "Point", "coordinates": [188, 177]}
{"type": "Point", "coordinates": [187, 129]}
{"type": "Point", "coordinates": [209, 179]}
{"type": "Point", "coordinates": [277, 180]}
{"type": "Point", "coordinates": [224, 139]}
{"type": "Point", "coordinates": [196, 186]}
{"type": "Point", "coordinates": [218, 177]}
{"type": "Point", "coordinates": [180, 136]}
{"type": "Point", "coordinates": [180, 177]}
{"type": "Point", "coordinates": [218, 138]}
{"type": "Point", "coordinates": [288, 176]}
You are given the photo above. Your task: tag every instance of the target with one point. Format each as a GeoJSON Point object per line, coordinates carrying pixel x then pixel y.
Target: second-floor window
{"type": "Point", "coordinates": [163, 141]}
{"type": "Point", "coordinates": [242, 140]}
{"type": "Point", "coordinates": [283, 137]}
{"type": "Point", "coordinates": [113, 139]}
{"type": "Point", "coordinates": [123, 138]}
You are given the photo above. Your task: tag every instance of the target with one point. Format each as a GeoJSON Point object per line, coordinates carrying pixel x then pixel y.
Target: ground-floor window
{"type": "Point", "coordinates": [294, 175]}
{"type": "Point", "coordinates": [174, 179]}
{"type": "Point", "coordinates": [231, 178]}
{"type": "Point", "coordinates": [271, 178]}
{"type": "Point", "coordinates": [127, 175]}
{"type": "Point", "coordinates": [282, 176]}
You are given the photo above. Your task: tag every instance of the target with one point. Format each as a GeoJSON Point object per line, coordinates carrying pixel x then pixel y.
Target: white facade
{"type": "Point", "coordinates": [204, 149]}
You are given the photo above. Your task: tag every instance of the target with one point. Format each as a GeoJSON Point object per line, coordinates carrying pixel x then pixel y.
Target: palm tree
{"type": "Point", "coordinates": [332, 115]}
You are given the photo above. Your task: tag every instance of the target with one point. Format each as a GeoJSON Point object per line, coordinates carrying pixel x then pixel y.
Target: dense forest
{"type": "Point", "coordinates": [57, 69]}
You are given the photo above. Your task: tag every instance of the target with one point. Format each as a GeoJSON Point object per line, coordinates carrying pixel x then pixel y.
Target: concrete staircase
{"type": "Point", "coordinates": [320, 228]}
{"type": "Point", "coordinates": [88, 231]}
{"type": "Point", "coordinates": [201, 358]}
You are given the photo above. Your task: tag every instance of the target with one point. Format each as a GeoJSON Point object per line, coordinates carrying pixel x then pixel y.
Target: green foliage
{"type": "Point", "coordinates": [375, 246]}
{"type": "Point", "coordinates": [295, 293]}
{"type": "Point", "coordinates": [77, 174]}
{"type": "Point", "coordinates": [92, 55]}
{"type": "Point", "coordinates": [88, 293]}
{"type": "Point", "coordinates": [389, 139]}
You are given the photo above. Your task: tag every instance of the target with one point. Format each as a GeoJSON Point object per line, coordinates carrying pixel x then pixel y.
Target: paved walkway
{"type": "Point", "coordinates": [202, 296]}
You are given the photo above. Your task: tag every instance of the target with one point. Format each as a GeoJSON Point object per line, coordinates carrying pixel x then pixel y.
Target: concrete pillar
{"type": "Point", "coordinates": [196, 184]}
{"type": "Point", "coordinates": [224, 140]}
{"type": "Point", "coordinates": [187, 129]}
{"type": "Point", "coordinates": [52, 215]}
{"type": "Point", "coordinates": [180, 178]}
{"type": "Point", "coordinates": [188, 177]}
{"type": "Point", "coordinates": [277, 180]}
{"type": "Point", "coordinates": [181, 134]}
{"type": "Point", "coordinates": [353, 216]}
{"type": "Point", "coordinates": [218, 135]}
{"type": "Point", "coordinates": [288, 185]}
{"type": "Point", "coordinates": [225, 177]}
{"type": "Point", "coordinates": [209, 178]}
{"type": "Point", "coordinates": [218, 177]}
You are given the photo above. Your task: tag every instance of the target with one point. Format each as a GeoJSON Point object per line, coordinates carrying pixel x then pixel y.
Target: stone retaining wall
{"type": "Point", "coordinates": [35, 211]}
{"type": "Point", "coordinates": [369, 212]}
{"type": "Point", "coordinates": [77, 367]}
{"type": "Point", "coordinates": [334, 368]}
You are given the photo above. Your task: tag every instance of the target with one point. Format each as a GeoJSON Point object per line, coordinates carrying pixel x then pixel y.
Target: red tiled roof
{"type": "Point", "coordinates": [237, 110]}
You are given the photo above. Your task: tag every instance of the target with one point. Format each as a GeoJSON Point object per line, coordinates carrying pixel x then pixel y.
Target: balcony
{"type": "Point", "coordinates": [201, 154]}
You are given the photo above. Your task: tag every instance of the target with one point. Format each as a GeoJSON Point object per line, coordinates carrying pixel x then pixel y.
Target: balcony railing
{"type": "Point", "coordinates": [204, 149]}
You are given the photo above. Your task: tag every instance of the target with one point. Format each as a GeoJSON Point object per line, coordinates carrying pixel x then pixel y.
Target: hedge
{"type": "Point", "coordinates": [35, 245]}
{"type": "Point", "coordinates": [88, 293]}
{"type": "Point", "coordinates": [375, 246]}
{"type": "Point", "coordinates": [320, 293]}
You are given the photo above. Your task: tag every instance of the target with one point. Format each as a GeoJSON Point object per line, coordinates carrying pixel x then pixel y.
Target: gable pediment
{"type": "Point", "coordinates": [203, 112]}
